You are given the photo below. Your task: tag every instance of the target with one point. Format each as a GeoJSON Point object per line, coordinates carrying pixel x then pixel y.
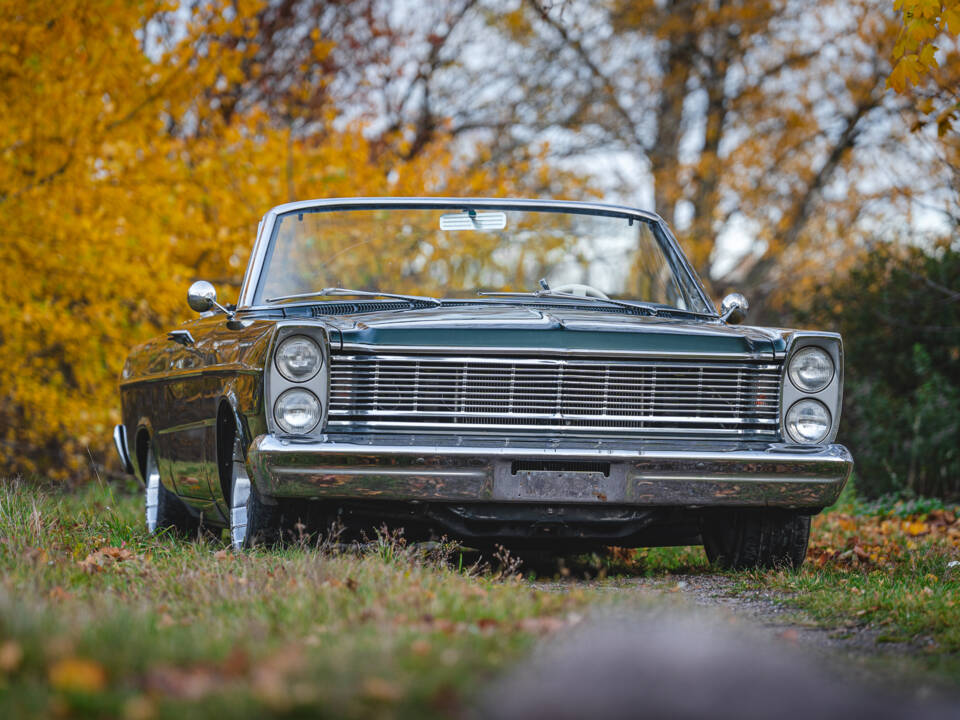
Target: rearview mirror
{"type": "Point", "coordinates": [733, 309]}
{"type": "Point", "coordinates": [202, 296]}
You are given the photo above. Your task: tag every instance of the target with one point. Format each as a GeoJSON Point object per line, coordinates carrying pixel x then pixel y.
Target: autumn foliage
{"type": "Point", "coordinates": [131, 168]}
{"type": "Point", "coordinates": [141, 141]}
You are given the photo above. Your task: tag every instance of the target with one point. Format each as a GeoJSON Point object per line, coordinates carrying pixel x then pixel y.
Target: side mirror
{"type": "Point", "coordinates": [202, 296]}
{"type": "Point", "coordinates": [733, 309]}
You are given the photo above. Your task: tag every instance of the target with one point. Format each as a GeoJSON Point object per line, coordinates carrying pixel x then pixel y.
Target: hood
{"type": "Point", "coordinates": [520, 328]}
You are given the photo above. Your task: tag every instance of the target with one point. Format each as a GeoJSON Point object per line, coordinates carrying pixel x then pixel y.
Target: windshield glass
{"type": "Point", "coordinates": [454, 252]}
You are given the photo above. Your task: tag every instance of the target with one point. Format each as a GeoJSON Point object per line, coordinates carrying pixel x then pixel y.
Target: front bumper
{"type": "Point", "coordinates": [460, 469]}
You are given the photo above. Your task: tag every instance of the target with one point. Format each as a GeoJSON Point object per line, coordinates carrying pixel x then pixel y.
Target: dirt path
{"type": "Point", "coordinates": [691, 646]}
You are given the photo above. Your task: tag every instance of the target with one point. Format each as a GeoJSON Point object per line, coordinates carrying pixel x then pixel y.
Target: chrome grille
{"type": "Point", "coordinates": [425, 392]}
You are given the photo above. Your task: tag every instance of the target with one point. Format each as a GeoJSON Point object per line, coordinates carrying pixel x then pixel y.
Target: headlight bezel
{"type": "Point", "coordinates": [830, 395]}
{"type": "Point", "coordinates": [292, 376]}
{"type": "Point", "coordinates": [813, 403]}
{"type": "Point", "coordinates": [281, 421]}
{"type": "Point", "coordinates": [805, 352]}
{"type": "Point", "coordinates": [276, 383]}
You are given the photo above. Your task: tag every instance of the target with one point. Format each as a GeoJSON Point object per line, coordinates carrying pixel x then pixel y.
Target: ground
{"type": "Point", "coordinates": [98, 619]}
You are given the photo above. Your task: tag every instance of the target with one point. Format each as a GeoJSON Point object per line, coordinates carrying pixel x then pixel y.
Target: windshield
{"type": "Point", "coordinates": [456, 252]}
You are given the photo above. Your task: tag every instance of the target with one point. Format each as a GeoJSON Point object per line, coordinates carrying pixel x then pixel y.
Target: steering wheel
{"type": "Point", "coordinates": [580, 290]}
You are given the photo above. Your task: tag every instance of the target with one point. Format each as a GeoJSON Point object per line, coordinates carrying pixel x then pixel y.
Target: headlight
{"type": "Point", "coordinates": [811, 369]}
{"type": "Point", "coordinates": [808, 422]}
{"type": "Point", "coordinates": [297, 411]}
{"type": "Point", "coordinates": [298, 358]}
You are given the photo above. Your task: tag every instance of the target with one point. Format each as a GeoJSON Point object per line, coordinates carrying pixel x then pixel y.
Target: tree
{"type": "Point", "coordinates": [139, 150]}
{"type": "Point", "coordinates": [923, 21]}
{"type": "Point", "coordinates": [766, 119]}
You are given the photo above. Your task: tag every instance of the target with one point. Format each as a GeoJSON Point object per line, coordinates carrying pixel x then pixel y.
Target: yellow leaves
{"type": "Point", "coordinates": [110, 206]}
{"type": "Point", "coordinates": [914, 52]}
{"type": "Point", "coordinates": [951, 20]}
{"type": "Point", "coordinates": [75, 674]}
{"type": "Point", "coordinates": [905, 72]}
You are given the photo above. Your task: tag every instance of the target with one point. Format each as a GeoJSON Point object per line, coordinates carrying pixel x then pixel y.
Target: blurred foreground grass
{"type": "Point", "coordinates": [99, 619]}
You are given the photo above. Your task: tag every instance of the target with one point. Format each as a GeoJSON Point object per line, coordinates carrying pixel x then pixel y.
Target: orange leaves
{"type": "Point", "coordinates": [878, 541]}
{"type": "Point", "coordinates": [105, 558]}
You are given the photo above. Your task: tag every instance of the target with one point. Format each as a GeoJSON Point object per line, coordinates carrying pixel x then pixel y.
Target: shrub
{"type": "Point", "coordinates": [899, 313]}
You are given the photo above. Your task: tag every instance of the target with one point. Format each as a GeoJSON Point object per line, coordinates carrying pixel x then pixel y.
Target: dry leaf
{"type": "Point", "coordinates": [75, 674]}
{"type": "Point", "coordinates": [381, 690]}
{"type": "Point", "coordinates": [11, 654]}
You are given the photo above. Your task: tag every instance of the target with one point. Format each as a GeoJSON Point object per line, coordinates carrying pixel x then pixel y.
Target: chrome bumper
{"type": "Point", "coordinates": [464, 469]}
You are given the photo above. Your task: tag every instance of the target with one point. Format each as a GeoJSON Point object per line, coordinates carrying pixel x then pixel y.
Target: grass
{"type": "Point", "coordinates": [889, 566]}
{"type": "Point", "coordinates": [98, 619]}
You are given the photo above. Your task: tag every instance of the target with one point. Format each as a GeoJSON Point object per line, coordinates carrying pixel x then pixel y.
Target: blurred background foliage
{"type": "Point", "coordinates": [804, 150]}
{"type": "Point", "coordinates": [899, 312]}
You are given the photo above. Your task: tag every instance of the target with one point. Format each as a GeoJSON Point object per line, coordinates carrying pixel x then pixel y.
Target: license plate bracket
{"type": "Point", "coordinates": [572, 486]}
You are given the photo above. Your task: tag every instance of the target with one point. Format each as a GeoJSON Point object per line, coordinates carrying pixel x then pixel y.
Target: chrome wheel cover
{"type": "Point", "coordinates": [239, 495]}
{"type": "Point", "coordinates": [153, 491]}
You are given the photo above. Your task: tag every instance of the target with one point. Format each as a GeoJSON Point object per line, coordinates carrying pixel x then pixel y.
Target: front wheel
{"type": "Point", "coordinates": [251, 520]}
{"type": "Point", "coordinates": [756, 538]}
{"type": "Point", "coordinates": [164, 510]}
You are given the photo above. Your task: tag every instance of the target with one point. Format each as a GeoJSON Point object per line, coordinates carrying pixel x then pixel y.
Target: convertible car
{"type": "Point", "coordinates": [549, 376]}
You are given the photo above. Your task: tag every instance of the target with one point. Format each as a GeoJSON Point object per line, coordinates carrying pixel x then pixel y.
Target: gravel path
{"type": "Point", "coordinates": [690, 647]}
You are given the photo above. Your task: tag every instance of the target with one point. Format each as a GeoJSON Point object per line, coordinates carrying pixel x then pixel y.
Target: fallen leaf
{"type": "Point", "coordinates": [58, 593]}
{"type": "Point", "coordinates": [790, 635]}
{"type": "Point", "coordinates": [420, 647]}
{"type": "Point", "coordinates": [10, 656]}
{"type": "Point", "coordinates": [75, 674]}
{"type": "Point", "coordinates": [381, 690]}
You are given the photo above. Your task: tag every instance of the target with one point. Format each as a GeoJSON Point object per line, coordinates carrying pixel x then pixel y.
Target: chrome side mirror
{"type": "Point", "coordinates": [202, 296]}
{"type": "Point", "coordinates": [733, 309]}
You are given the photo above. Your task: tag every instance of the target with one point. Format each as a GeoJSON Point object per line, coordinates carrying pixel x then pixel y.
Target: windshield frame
{"type": "Point", "coordinates": [269, 226]}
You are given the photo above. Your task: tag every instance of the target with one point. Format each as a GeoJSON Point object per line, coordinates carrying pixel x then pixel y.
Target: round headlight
{"type": "Point", "coordinates": [811, 369]}
{"type": "Point", "coordinates": [808, 422]}
{"type": "Point", "coordinates": [297, 411]}
{"type": "Point", "coordinates": [298, 358]}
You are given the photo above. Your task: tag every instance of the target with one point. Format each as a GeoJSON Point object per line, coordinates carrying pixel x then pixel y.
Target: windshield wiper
{"type": "Point", "coordinates": [570, 296]}
{"type": "Point", "coordinates": [347, 292]}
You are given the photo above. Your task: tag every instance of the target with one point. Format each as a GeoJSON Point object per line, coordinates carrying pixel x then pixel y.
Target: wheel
{"type": "Point", "coordinates": [164, 510]}
{"type": "Point", "coordinates": [756, 538]}
{"type": "Point", "coordinates": [252, 522]}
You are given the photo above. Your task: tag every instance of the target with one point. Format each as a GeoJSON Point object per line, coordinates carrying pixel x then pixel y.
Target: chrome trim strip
{"type": "Point", "coordinates": [564, 352]}
{"type": "Point", "coordinates": [211, 371]}
{"type": "Point", "coordinates": [779, 475]}
{"type": "Point", "coordinates": [196, 424]}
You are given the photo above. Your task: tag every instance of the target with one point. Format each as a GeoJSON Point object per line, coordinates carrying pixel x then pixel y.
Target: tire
{"type": "Point", "coordinates": [164, 510]}
{"type": "Point", "coordinates": [756, 538]}
{"type": "Point", "coordinates": [252, 522]}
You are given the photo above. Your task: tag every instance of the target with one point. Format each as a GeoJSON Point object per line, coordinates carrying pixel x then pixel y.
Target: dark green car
{"type": "Point", "coordinates": [548, 376]}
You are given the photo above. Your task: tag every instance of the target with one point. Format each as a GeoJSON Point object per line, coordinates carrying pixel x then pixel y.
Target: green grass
{"type": "Point", "coordinates": [160, 627]}
{"type": "Point", "coordinates": [187, 629]}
